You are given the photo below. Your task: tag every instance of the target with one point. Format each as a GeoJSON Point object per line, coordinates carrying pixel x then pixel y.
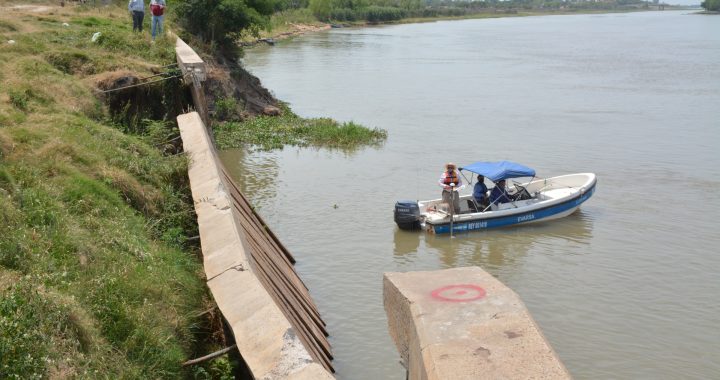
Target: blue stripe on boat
{"type": "Point", "coordinates": [539, 214]}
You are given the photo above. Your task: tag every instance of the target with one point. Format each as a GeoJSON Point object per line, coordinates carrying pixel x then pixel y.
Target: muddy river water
{"type": "Point", "coordinates": [626, 288]}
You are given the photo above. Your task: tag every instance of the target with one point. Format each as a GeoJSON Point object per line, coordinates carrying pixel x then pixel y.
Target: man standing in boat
{"type": "Point", "coordinates": [450, 182]}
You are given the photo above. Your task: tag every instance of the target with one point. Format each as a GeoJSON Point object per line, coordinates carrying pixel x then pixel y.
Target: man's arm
{"type": "Point", "coordinates": [441, 181]}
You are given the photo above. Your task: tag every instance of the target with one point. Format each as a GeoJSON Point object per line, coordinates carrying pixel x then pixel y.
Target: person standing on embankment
{"type": "Point", "coordinates": [157, 9]}
{"type": "Point", "coordinates": [137, 10]}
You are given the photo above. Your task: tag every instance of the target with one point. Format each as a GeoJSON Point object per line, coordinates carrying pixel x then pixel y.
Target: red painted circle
{"type": "Point", "coordinates": [459, 293]}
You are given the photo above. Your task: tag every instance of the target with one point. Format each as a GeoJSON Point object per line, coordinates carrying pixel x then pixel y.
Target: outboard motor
{"type": "Point", "coordinates": [407, 215]}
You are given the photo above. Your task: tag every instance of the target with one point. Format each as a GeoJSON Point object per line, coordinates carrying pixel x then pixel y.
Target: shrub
{"type": "Point", "coordinates": [343, 14]}
{"type": "Point", "coordinates": [380, 14]}
{"type": "Point", "coordinates": [321, 9]}
{"type": "Point", "coordinates": [225, 109]}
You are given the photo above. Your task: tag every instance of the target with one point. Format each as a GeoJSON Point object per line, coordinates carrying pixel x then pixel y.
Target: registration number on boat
{"type": "Point", "coordinates": [476, 225]}
{"type": "Point", "coordinates": [525, 218]}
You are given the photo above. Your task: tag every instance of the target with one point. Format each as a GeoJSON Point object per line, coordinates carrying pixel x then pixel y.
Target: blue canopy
{"type": "Point", "coordinates": [496, 171]}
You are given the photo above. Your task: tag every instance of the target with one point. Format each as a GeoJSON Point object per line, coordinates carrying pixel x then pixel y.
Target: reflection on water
{"type": "Point", "coordinates": [406, 244]}
{"type": "Point", "coordinates": [258, 184]}
{"type": "Point", "coordinates": [496, 250]}
{"type": "Point", "coordinates": [624, 288]}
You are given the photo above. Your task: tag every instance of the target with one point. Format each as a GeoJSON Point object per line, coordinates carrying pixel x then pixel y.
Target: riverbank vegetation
{"type": "Point", "coordinates": [226, 22]}
{"type": "Point", "coordinates": [379, 11]}
{"type": "Point", "coordinates": [242, 112]}
{"type": "Point", "coordinates": [274, 132]}
{"type": "Point", "coordinates": [711, 5]}
{"type": "Point", "coordinates": [98, 276]}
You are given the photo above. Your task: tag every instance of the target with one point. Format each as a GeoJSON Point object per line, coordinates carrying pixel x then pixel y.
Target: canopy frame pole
{"type": "Point", "coordinates": [452, 209]}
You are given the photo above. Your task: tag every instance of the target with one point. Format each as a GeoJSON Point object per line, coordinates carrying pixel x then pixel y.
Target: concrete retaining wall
{"type": "Point", "coordinates": [267, 341]}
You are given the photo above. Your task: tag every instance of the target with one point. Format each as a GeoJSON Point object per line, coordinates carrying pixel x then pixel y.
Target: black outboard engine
{"type": "Point", "coordinates": [407, 215]}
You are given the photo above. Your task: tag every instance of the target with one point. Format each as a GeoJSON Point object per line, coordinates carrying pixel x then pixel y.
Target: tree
{"type": "Point", "coordinates": [711, 5]}
{"type": "Point", "coordinates": [224, 21]}
{"type": "Point", "coordinates": [321, 8]}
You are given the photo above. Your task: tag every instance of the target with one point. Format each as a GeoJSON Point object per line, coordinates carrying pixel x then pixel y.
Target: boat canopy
{"type": "Point", "coordinates": [496, 171]}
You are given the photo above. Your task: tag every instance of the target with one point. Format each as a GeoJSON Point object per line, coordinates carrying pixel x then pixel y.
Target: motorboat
{"type": "Point", "coordinates": [532, 201]}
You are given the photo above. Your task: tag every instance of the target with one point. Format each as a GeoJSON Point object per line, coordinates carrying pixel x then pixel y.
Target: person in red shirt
{"type": "Point", "coordinates": [157, 9]}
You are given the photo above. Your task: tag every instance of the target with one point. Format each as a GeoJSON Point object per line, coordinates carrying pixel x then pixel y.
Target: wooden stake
{"type": "Point", "coordinates": [210, 356]}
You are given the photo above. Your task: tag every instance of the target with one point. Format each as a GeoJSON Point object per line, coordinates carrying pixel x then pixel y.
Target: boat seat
{"type": "Point", "coordinates": [474, 207]}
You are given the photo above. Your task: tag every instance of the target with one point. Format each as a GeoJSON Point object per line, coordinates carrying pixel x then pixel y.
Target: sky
{"type": "Point", "coordinates": [683, 2]}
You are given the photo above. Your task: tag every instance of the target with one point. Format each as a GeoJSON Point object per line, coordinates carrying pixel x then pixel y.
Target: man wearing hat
{"type": "Point", "coordinates": [450, 182]}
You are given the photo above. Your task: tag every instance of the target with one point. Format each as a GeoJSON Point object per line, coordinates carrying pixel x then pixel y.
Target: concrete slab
{"type": "Point", "coordinates": [463, 323]}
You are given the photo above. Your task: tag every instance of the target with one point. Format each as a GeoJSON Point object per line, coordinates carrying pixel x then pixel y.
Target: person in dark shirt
{"type": "Point", "coordinates": [499, 193]}
{"type": "Point", "coordinates": [480, 192]}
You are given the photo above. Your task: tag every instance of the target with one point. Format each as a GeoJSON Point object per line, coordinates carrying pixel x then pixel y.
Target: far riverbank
{"type": "Point", "coordinates": [289, 25]}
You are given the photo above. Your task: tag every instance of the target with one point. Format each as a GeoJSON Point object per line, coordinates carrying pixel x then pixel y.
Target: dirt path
{"type": "Point", "coordinates": [31, 8]}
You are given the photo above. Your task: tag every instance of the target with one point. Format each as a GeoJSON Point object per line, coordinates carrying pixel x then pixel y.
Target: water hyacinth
{"type": "Point", "coordinates": [274, 132]}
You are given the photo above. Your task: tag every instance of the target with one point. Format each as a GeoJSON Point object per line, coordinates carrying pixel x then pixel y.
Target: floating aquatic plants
{"type": "Point", "coordinates": [274, 132]}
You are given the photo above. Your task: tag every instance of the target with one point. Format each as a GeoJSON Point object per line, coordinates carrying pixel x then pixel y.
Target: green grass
{"type": "Point", "coordinates": [280, 20]}
{"type": "Point", "coordinates": [97, 278]}
{"type": "Point", "coordinates": [274, 132]}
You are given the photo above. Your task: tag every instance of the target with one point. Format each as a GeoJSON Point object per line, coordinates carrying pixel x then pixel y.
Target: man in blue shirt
{"type": "Point", "coordinates": [499, 193]}
{"type": "Point", "coordinates": [480, 192]}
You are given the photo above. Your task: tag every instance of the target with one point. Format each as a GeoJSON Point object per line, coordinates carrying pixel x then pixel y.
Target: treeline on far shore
{"type": "Point", "coordinates": [711, 5]}
{"type": "Point", "coordinates": [224, 22]}
{"type": "Point", "coordinates": [392, 10]}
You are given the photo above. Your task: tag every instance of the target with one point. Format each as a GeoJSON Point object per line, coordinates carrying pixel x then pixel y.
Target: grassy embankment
{"type": "Point", "coordinates": [97, 279]}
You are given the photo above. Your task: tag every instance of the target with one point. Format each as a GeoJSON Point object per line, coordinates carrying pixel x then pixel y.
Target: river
{"type": "Point", "coordinates": [625, 288]}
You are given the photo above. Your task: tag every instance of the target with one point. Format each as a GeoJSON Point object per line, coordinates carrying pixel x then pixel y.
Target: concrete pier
{"type": "Point", "coordinates": [463, 323]}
